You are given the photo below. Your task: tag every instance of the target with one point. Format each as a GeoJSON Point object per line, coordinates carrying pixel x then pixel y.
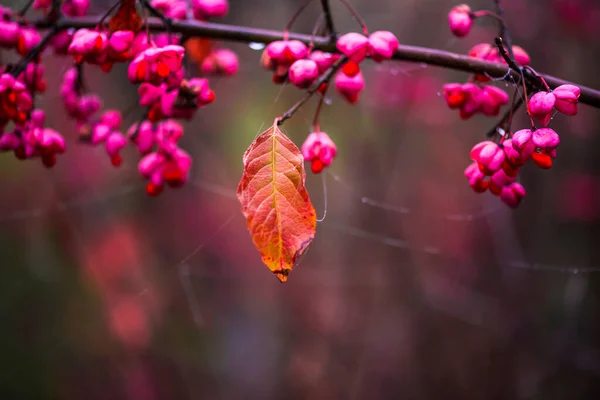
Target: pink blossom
{"type": "Point", "coordinates": [567, 97]}
{"type": "Point", "coordinates": [42, 5]}
{"type": "Point", "coordinates": [541, 105]}
{"type": "Point", "coordinates": [111, 118]}
{"type": "Point", "coordinates": [9, 33]}
{"type": "Point", "coordinates": [16, 101]}
{"type": "Point", "coordinates": [477, 180]}
{"type": "Point", "coordinates": [546, 138]}
{"type": "Point", "coordinates": [466, 97]}
{"type": "Point", "coordinates": [492, 98]}
{"type": "Point", "coordinates": [513, 194]}
{"type": "Point", "coordinates": [285, 52]}
{"type": "Point", "coordinates": [183, 102]}
{"type": "Point", "coordinates": [522, 143]}
{"type": "Point", "coordinates": [150, 94]}
{"type": "Point", "coordinates": [170, 165]}
{"type": "Point", "coordinates": [143, 137]}
{"type": "Point", "coordinates": [88, 45]}
{"type": "Point", "coordinates": [115, 142]}
{"type": "Point", "coordinates": [28, 39]}
{"type": "Point", "coordinates": [460, 21]}
{"type": "Point", "coordinates": [175, 9]}
{"type": "Point", "coordinates": [324, 60]}
{"type": "Point", "coordinates": [521, 56]}
{"type": "Point", "coordinates": [75, 8]}
{"type": "Point", "coordinates": [33, 77]}
{"type": "Point", "coordinates": [382, 45]}
{"type": "Point", "coordinates": [303, 73]}
{"type": "Point", "coordinates": [155, 64]}
{"type": "Point", "coordinates": [320, 150]}
{"type": "Point", "coordinates": [61, 41]}
{"type": "Point", "coordinates": [205, 9]}
{"type": "Point", "coordinates": [546, 141]}
{"type": "Point", "coordinates": [349, 86]}
{"type": "Point", "coordinates": [354, 46]}
{"type": "Point", "coordinates": [222, 62]}
{"type": "Point", "coordinates": [489, 156]}
{"type": "Point", "coordinates": [169, 131]}
{"type": "Point", "coordinates": [32, 140]}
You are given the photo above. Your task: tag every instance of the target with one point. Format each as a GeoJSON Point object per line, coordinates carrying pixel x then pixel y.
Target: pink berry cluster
{"type": "Point", "coordinates": [155, 63]}
{"type": "Point", "coordinates": [495, 166]}
{"type": "Point", "coordinates": [294, 61]}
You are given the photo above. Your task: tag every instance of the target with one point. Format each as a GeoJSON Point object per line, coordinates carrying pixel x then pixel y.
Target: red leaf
{"type": "Point", "coordinates": [126, 18]}
{"type": "Point", "coordinates": [278, 211]}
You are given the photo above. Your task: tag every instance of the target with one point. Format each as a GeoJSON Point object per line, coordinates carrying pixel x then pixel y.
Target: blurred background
{"type": "Point", "coordinates": [414, 287]}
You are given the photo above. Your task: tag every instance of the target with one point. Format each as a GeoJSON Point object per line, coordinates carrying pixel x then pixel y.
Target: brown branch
{"type": "Point", "coordinates": [429, 56]}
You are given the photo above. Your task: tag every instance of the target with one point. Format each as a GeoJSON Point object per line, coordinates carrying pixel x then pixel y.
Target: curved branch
{"type": "Point", "coordinates": [426, 55]}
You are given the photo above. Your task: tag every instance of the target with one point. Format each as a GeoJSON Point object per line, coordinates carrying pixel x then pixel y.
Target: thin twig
{"type": "Point", "coordinates": [504, 33]}
{"type": "Point", "coordinates": [507, 117]}
{"type": "Point", "coordinates": [328, 19]}
{"type": "Point", "coordinates": [327, 75]}
{"type": "Point", "coordinates": [294, 17]}
{"type": "Point", "coordinates": [35, 52]}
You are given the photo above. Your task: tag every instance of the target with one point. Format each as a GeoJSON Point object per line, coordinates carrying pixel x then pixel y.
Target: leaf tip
{"type": "Point", "coordinates": [282, 275]}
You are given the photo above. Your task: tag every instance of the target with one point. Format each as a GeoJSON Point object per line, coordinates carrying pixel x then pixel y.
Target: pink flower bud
{"type": "Point", "coordinates": [286, 52]}
{"type": "Point", "coordinates": [28, 39]}
{"type": "Point", "coordinates": [52, 141]}
{"type": "Point", "coordinates": [153, 65]}
{"type": "Point", "coordinates": [75, 8]}
{"type": "Point", "coordinates": [42, 5]}
{"type": "Point", "coordinates": [87, 44]}
{"type": "Point", "coordinates": [477, 180]}
{"type": "Point", "coordinates": [112, 118]}
{"type": "Point", "coordinates": [472, 102]}
{"type": "Point", "coordinates": [522, 143]}
{"type": "Point", "coordinates": [545, 138]}
{"type": "Point", "coordinates": [169, 130]}
{"type": "Point", "coordinates": [303, 73]}
{"type": "Point", "coordinates": [171, 8]}
{"type": "Point", "coordinates": [382, 45]}
{"type": "Point", "coordinates": [324, 60]}
{"type": "Point", "coordinates": [205, 9]}
{"type": "Point", "coordinates": [100, 132]}
{"type": "Point", "coordinates": [541, 105]}
{"type": "Point", "coordinates": [513, 194]}
{"type": "Point", "coordinates": [521, 56]}
{"type": "Point", "coordinates": [489, 156]}
{"type": "Point", "coordinates": [349, 86]}
{"type": "Point", "coordinates": [221, 61]}
{"type": "Point", "coordinates": [120, 41]}
{"type": "Point", "coordinates": [485, 51]}
{"type": "Point", "coordinates": [320, 150]}
{"type": "Point", "coordinates": [143, 136]}
{"type": "Point", "coordinates": [567, 97]}
{"type": "Point", "coordinates": [148, 165]}
{"type": "Point", "coordinates": [492, 98]}
{"type": "Point", "coordinates": [460, 20]}
{"type": "Point", "coordinates": [9, 141]}
{"type": "Point", "coordinates": [38, 118]}
{"type": "Point", "coordinates": [354, 46]}
{"type": "Point", "coordinates": [9, 34]}
{"type": "Point", "coordinates": [150, 94]}
{"type": "Point", "coordinates": [114, 143]}
{"type": "Point", "coordinates": [500, 178]}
